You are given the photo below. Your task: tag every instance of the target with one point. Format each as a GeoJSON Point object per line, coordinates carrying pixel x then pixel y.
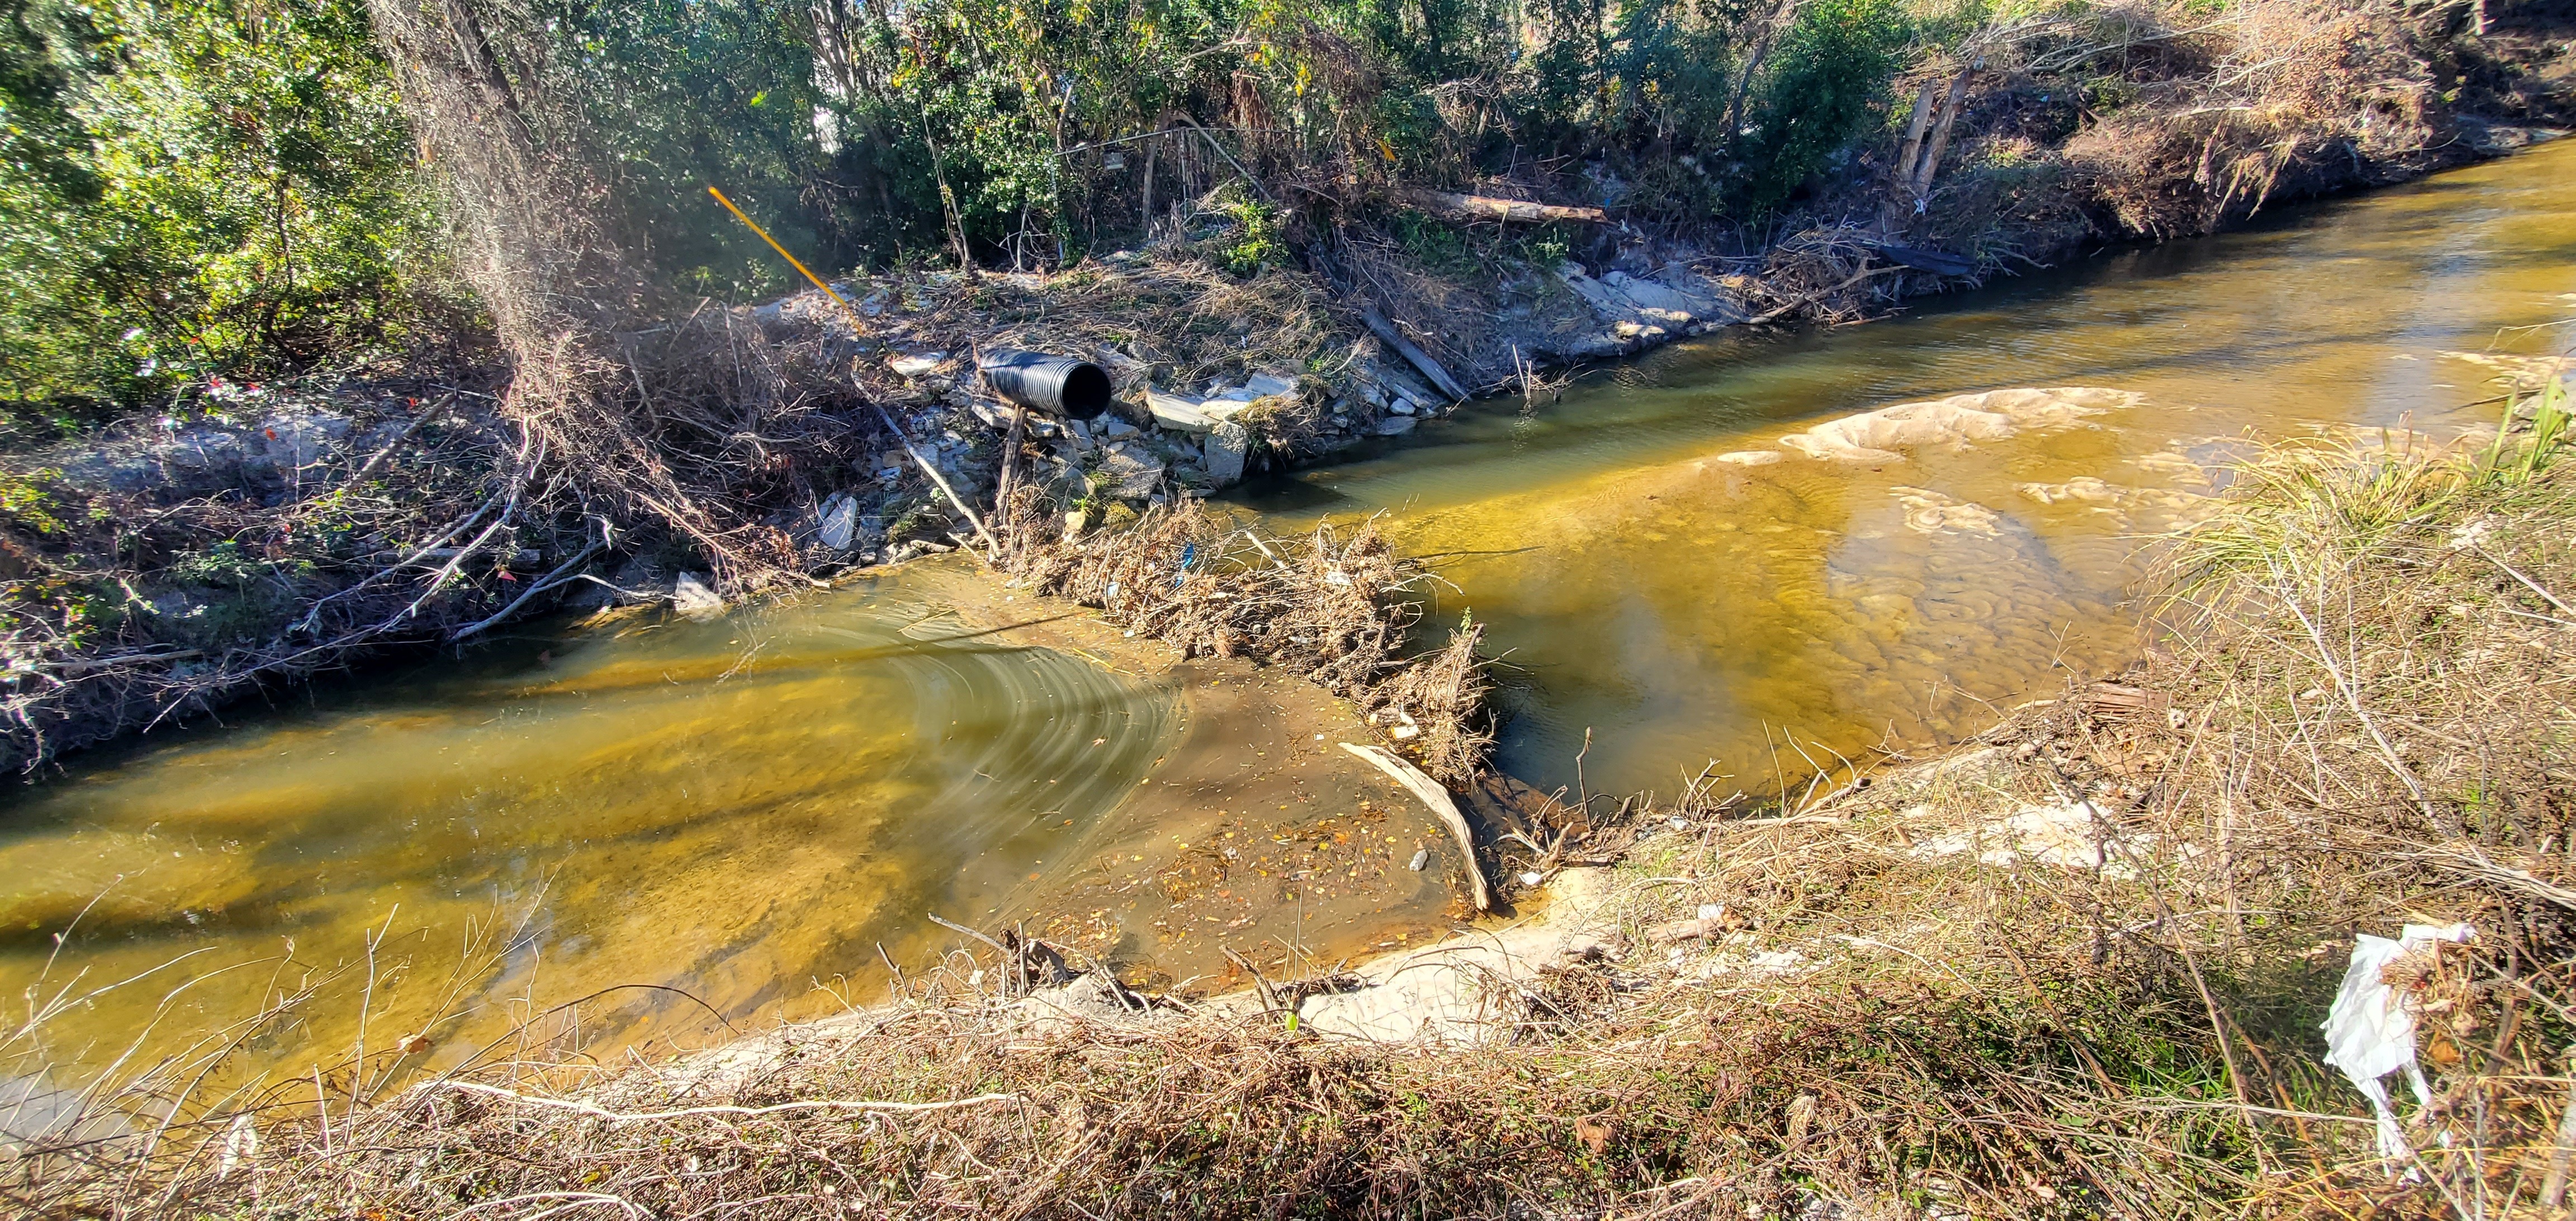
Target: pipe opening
{"type": "Point", "coordinates": [1058, 385]}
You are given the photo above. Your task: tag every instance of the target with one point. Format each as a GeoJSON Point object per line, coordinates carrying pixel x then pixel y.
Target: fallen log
{"type": "Point", "coordinates": [1431, 794]}
{"type": "Point", "coordinates": [1938, 262]}
{"type": "Point", "coordinates": [1487, 207]}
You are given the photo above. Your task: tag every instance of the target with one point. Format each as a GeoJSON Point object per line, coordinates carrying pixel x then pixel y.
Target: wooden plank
{"type": "Point", "coordinates": [1419, 359]}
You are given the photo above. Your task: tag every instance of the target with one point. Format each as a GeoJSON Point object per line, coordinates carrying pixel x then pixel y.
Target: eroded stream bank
{"type": "Point", "coordinates": [747, 807]}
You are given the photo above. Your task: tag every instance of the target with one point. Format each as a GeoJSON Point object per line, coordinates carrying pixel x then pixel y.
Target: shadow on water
{"type": "Point", "coordinates": [745, 806]}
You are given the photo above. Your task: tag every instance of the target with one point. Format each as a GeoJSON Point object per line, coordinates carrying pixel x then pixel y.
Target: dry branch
{"type": "Point", "coordinates": [1412, 353]}
{"type": "Point", "coordinates": [1430, 793]}
{"type": "Point", "coordinates": [1485, 207]}
{"type": "Point", "coordinates": [601, 1113]}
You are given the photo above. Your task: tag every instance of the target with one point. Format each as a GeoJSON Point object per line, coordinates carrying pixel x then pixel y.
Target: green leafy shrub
{"type": "Point", "coordinates": [1255, 239]}
{"type": "Point", "coordinates": [1832, 70]}
{"type": "Point", "coordinates": [1432, 243]}
{"type": "Point", "coordinates": [196, 188]}
{"type": "Point", "coordinates": [25, 502]}
{"type": "Point", "coordinates": [191, 188]}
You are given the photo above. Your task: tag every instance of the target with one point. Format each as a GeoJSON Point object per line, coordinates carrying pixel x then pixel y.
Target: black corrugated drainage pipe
{"type": "Point", "coordinates": [1058, 385]}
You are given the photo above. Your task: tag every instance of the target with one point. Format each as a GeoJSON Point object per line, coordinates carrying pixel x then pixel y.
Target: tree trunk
{"type": "Point", "coordinates": [1781, 14]}
{"type": "Point", "coordinates": [1145, 211]}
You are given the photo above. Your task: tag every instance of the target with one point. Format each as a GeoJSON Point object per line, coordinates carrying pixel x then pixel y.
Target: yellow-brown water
{"type": "Point", "coordinates": [747, 808]}
{"type": "Point", "coordinates": [738, 808]}
{"type": "Point", "coordinates": [1683, 609]}
{"type": "Point", "coordinates": [699, 826]}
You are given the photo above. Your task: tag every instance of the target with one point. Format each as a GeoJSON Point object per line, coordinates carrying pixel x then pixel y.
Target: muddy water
{"type": "Point", "coordinates": [743, 810]}
{"type": "Point", "coordinates": [1685, 609]}
{"type": "Point", "coordinates": [738, 807]}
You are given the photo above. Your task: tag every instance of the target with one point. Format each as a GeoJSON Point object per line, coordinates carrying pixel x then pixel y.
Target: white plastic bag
{"type": "Point", "coordinates": [2370, 1032]}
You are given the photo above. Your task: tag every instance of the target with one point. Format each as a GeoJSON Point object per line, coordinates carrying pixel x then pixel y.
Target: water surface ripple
{"type": "Point", "coordinates": [739, 809]}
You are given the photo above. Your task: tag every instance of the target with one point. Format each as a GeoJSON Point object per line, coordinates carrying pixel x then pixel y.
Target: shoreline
{"type": "Point", "coordinates": [257, 535]}
{"type": "Point", "coordinates": [280, 438]}
{"type": "Point", "coordinates": [2085, 955]}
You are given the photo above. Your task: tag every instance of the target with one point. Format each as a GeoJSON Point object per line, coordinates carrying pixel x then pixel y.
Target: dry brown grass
{"type": "Point", "coordinates": [1634, 1090]}
{"type": "Point", "coordinates": [2281, 97]}
{"type": "Point", "coordinates": [2361, 717]}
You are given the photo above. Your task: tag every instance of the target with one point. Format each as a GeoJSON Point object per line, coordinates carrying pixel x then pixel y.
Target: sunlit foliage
{"type": "Point", "coordinates": [191, 188]}
{"type": "Point", "coordinates": [195, 187]}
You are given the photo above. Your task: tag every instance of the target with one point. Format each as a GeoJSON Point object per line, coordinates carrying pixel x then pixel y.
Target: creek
{"type": "Point", "coordinates": [1684, 610]}
{"type": "Point", "coordinates": [759, 810]}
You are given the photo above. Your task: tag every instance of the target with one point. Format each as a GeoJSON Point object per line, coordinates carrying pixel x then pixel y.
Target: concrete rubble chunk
{"type": "Point", "coordinates": [1396, 426]}
{"type": "Point", "coordinates": [1132, 471]}
{"type": "Point", "coordinates": [691, 597]}
{"type": "Point", "coordinates": [1179, 412]}
{"type": "Point", "coordinates": [1267, 385]}
{"type": "Point", "coordinates": [1056, 471]}
{"type": "Point", "coordinates": [1655, 296]}
{"type": "Point", "coordinates": [1604, 300]}
{"type": "Point", "coordinates": [294, 442]}
{"type": "Point", "coordinates": [1675, 299]}
{"type": "Point", "coordinates": [1401, 383]}
{"type": "Point", "coordinates": [1726, 305]}
{"type": "Point", "coordinates": [1600, 344]}
{"type": "Point", "coordinates": [1258, 386]}
{"type": "Point", "coordinates": [1227, 447]}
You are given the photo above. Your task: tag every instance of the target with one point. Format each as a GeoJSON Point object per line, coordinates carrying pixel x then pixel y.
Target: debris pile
{"type": "Point", "coordinates": [1336, 608]}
